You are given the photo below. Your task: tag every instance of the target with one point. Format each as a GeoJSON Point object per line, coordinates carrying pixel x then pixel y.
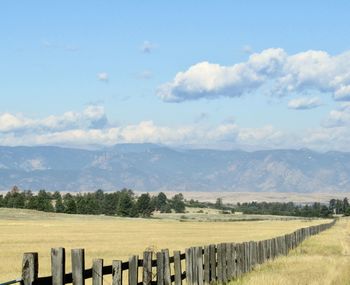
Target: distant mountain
{"type": "Point", "coordinates": [150, 167]}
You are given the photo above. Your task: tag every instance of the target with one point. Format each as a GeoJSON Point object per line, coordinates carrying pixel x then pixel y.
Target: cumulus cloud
{"type": "Point", "coordinates": [304, 103]}
{"type": "Point", "coordinates": [338, 117]}
{"type": "Point", "coordinates": [92, 117]}
{"type": "Point", "coordinates": [103, 76]}
{"type": "Point", "coordinates": [273, 69]}
{"type": "Point", "coordinates": [10, 122]}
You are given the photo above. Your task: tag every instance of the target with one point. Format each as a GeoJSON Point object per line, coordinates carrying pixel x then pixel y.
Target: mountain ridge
{"type": "Point", "coordinates": [153, 167]}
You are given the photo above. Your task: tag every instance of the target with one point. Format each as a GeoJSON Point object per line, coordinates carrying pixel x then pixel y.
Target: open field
{"type": "Point", "coordinates": [115, 238]}
{"type": "Point", "coordinates": [235, 197]}
{"type": "Point", "coordinates": [322, 259]}
{"type": "Point", "coordinates": [214, 215]}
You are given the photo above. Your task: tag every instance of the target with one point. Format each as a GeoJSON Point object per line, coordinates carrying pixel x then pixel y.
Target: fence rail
{"type": "Point", "coordinates": [203, 265]}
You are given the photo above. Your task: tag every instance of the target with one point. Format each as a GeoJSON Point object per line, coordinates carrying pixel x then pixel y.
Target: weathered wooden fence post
{"type": "Point", "coordinates": [206, 261]}
{"type": "Point", "coordinates": [167, 273]}
{"type": "Point", "coordinates": [177, 268]}
{"type": "Point", "coordinates": [117, 272]}
{"type": "Point", "coordinates": [220, 262]}
{"type": "Point", "coordinates": [194, 266]}
{"type": "Point", "coordinates": [199, 257]}
{"type": "Point", "coordinates": [212, 261]}
{"type": "Point", "coordinates": [30, 268]}
{"type": "Point", "coordinates": [58, 265]}
{"type": "Point", "coordinates": [147, 268]}
{"type": "Point", "coordinates": [229, 261]}
{"type": "Point", "coordinates": [160, 268]}
{"type": "Point", "coordinates": [78, 266]}
{"type": "Point", "coordinates": [189, 266]}
{"type": "Point", "coordinates": [97, 275]}
{"type": "Point", "coordinates": [239, 257]}
{"type": "Point", "coordinates": [133, 270]}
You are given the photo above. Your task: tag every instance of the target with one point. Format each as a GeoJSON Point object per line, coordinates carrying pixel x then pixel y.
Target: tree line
{"type": "Point", "coordinates": [126, 204]}
{"type": "Point", "coordinates": [335, 206]}
{"type": "Point", "coordinates": [121, 203]}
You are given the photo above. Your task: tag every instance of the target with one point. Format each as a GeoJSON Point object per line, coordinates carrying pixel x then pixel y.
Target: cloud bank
{"type": "Point", "coordinates": [272, 69]}
{"type": "Point", "coordinates": [91, 127]}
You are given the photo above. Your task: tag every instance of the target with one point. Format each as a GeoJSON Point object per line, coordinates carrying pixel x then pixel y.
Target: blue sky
{"type": "Point", "coordinates": [221, 74]}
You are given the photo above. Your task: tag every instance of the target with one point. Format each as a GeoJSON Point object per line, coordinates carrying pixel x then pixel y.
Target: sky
{"type": "Point", "coordinates": [203, 74]}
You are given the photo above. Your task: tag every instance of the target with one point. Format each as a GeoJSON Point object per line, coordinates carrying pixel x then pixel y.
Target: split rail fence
{"type": "Point", "coordinates": [196, 266]}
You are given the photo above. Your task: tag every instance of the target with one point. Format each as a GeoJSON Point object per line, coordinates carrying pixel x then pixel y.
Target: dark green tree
{"type": "Point", "coordinates": [125, 204]}
{"type": "Point", "coordinates": [80, 204]}
{"type": "Point", "coordinates": [345, 204]}
{"type": "Point", "coordinates": [325, 212]}
{"type": "Point", "coordinates": [332, 204]}
{"type": "Point", "coordinates": [219, 203]}
{"type": "Point", "coordinates": [56, 195]}
{"type": "Point", "coordinates": [32, 203]}
{"type": "Point", "coordinates": [110, 203]}
{"type": "Point", "coordinates": [177, 203]}
{"type": "Point", "coordinates": [161, 202]}
{"type": "Point", "coordinates": [14, 198]}
{"type": "Point", "coordinates": [144, 206]}
{"type": "Point", "coordinates": [93, 204]}
{"type": "Point", "coordinates": [69, 204]}
{"type": "Point", "coordinates": [59, 207]}
{"type": "Point", "coordinates": [44, 201]}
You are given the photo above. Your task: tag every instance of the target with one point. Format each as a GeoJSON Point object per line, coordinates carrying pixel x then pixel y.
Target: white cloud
{"type": "Point", "coordinates": [73, 129]}
{"type": "Point", "coordinates": [10, 122]}
{"type": "Point", "coordinates": [103, 76]}
{"type": "Point", "coordinates": [89, 118]}
{"type": "Point", "coordinates": [91, 127]}
{"type": "Point", "coordinates": [304, 103]}
{"type": "Point", "coordinates": [338, 117]}
{"type": "Point", "coordinates": [281, 74]}
{"type": "Point", "coordinates": [147, 47]}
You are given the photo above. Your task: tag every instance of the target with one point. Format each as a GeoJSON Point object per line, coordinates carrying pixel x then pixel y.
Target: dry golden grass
{"type": "Point", "coordinates": [321, 260]}
{"type": "Point", "coordinates": [115, 238]}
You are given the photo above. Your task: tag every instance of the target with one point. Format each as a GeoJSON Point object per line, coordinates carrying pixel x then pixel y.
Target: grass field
{"type": "Point", "coordinates": [321, 260]}
{"type": "Point", "coordinates": [115, 238]}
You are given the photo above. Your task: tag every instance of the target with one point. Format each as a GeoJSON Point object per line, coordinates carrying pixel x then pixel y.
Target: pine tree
{"type": "Point", "coordinates": [143, 205]}
{"type": "Point", "coordinates": [125, 204]}
{"type": "Point", "coordinates": [177, 203]}
{"type": "Point", "coordinates": [44, 202]}
{"type": "Point", "coordinates": [110, 203]}
{"type": "Point", "coordinates": [59, 207]}
{"type": "Point", "coordinates": [69, 204]}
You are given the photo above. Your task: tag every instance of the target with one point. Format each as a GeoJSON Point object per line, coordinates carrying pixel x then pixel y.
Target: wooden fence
{"type": "Point", "coordinates": [202, 265]}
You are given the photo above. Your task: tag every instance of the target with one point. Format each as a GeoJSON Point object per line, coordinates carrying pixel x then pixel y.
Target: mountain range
{"type": "Point", "coordinates": [151, 167]}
